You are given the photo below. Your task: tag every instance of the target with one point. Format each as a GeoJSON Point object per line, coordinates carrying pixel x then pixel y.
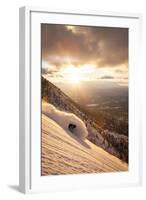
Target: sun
{"type": "Point", "coordinates": [72, 74]}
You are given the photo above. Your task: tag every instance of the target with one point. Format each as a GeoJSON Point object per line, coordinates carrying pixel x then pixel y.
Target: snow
{"type": "Point", "coordinates": [64, 119]}
{"type": "Point", "coordinates": [64, 153]}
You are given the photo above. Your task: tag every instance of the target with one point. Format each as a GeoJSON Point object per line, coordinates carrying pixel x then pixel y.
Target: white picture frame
{"type": "Point", "coordinates": [29, 160]}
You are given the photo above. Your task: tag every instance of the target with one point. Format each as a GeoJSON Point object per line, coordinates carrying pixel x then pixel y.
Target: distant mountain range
{"type": "Point", "coordinates": [115, 144]}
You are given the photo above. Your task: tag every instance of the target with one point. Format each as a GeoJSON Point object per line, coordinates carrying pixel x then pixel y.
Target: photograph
{"type": "Point", "coordinates": [84, 99]}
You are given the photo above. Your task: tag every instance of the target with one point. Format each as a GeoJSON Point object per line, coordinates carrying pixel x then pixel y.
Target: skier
{"type": "Point", "coordinates": [71, 127]}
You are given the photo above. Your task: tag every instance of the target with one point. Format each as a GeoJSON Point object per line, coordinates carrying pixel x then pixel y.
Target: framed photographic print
{"type": "Point", "coordinates": [79, 100]}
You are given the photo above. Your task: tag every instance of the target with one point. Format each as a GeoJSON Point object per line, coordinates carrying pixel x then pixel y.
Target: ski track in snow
{"type": "Point", "coordinates": [65, 153]}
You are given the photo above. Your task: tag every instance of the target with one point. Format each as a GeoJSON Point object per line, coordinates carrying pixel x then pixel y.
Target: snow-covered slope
{"type": "Point", "coordinates": [115, 144]}
{"type": "Point", "coordinates": [66, 120]}
{"type": "Point", "coordinates": [64, 153]}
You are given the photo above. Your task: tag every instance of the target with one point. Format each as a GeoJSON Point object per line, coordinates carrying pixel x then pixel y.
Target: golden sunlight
{"type": "Point", "coordinates": [72, 74]}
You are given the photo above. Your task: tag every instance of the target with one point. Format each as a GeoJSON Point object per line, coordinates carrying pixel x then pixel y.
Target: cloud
{"type": "Point", "coordinates": [45, 70]}
{"type": "Point", "coordinates": [77, 45]}
{"type": "Point", "coordinates": [122, 70]}
{"type": "Point", "coordinates": [107, 77]}
{"type": "Point", "coordinates": [126, 78]}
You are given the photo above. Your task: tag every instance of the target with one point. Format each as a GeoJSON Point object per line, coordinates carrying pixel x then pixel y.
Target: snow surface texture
{"type": "Point", "coordinates": [64, 153]}
{"type": "Point", "coordinates": [64, 119]}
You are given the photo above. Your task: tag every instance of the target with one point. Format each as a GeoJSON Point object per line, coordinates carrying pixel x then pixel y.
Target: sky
{"type": "Point", "coordinates": [84, 53]}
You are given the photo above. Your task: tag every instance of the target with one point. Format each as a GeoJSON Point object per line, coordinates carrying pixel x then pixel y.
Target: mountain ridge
{"type": "Point", "coordinates": [116, 145]}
